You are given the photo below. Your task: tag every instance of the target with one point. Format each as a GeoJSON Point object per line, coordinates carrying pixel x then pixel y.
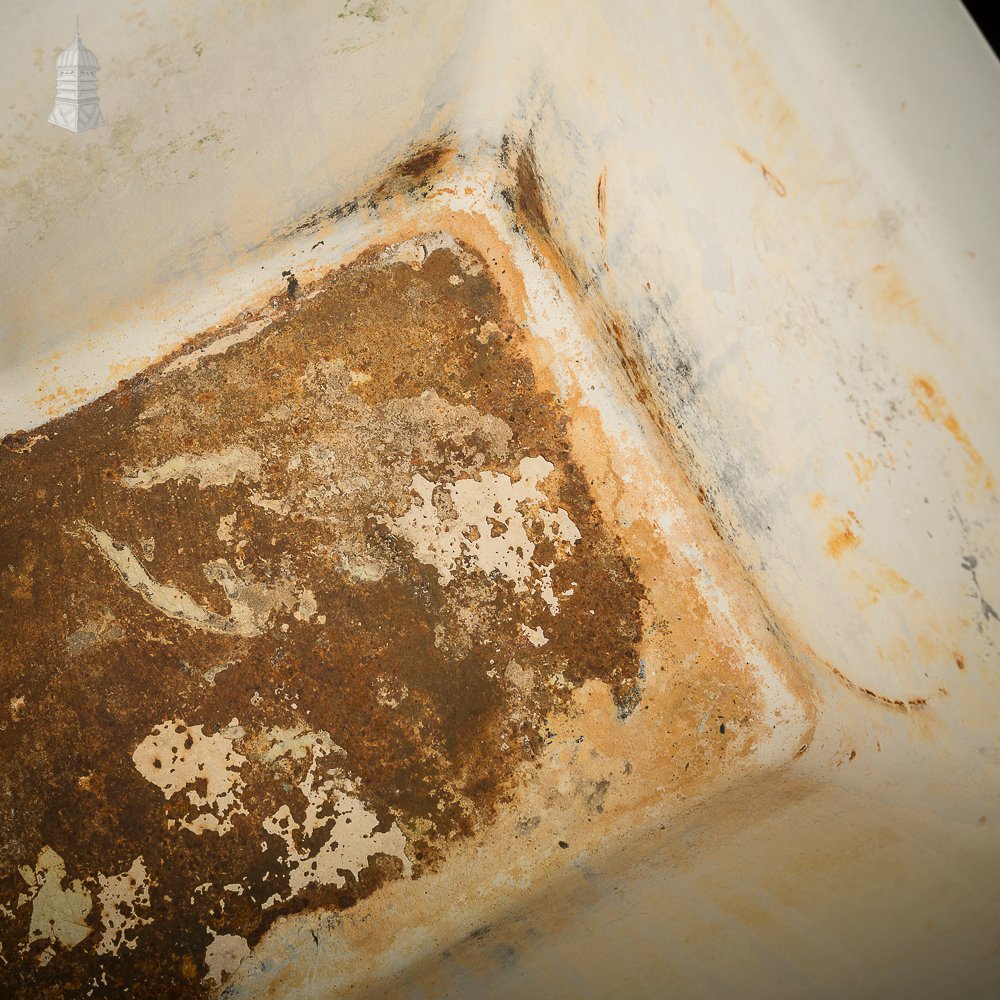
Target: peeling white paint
{"type": "Point", "coordinates": [225, 530]}
{"type": "Point", "coordinates": [217, 347]}
{"type": "Point", "coordinates": [536, 636]}
{"type": "Point", "coordinates": [415, 251]}
{"type": "Point", "coordinates": [59, 911]}
{"type": "Point", "coordinates": [224, 955]}
{"type": "Point", "coordinates": [180, 758]}
{"type": "Point", "coordinates": [484, 526]}
{"type": "Point", "coordinates": [251, 603]}
{"type": "Point", "coordinates": [213, 469]}
{"type": "Point", "coordinates": [121, 897]}
{"type": "Point", "coordinates": [307, 606]}
{"type": "Point", "coordinates": [214, 672]}
{"type": "Point", "coordinates": [332, 806]}
{"type": "Point", "coordinates": [296, 742]}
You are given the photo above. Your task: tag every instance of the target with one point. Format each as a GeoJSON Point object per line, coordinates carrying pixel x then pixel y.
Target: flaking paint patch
{"type": "Point", "coordinates": [226, 525]}
{"type": "Point", "coordinates": [484, 524]}
{"type": "Point", "coordinates": [122, 899]}
{"type": "Point", "coordinates": [179, 758]}
{"type": "Point", "coordinates": [416, 250]}
{"type": "Point", "coordinates": [224, 955]}
{"type": "Point", "coordinates": [217, 347]}
{"type": "Point", "coordinates": [213, 469]}
{"type": "Point", "coordinates": [332, 808]}
{"type": "Point", "coordinates": [536, 636]}
{"type": "Point", "coordinates": [251, 603]}
{"type": "Point", "coordinates": [59, 906]}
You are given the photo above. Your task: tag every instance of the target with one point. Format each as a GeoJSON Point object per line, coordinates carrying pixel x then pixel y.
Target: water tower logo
{"type": "Point", "coordinates": [77, 107]}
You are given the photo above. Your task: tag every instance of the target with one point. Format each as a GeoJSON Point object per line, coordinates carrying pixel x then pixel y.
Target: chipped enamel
{"type": "Point", "coordinates": [182, 760]}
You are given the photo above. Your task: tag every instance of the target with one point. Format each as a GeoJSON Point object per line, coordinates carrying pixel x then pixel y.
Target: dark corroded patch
{"type": "Point", "coordinates": [410, 177]}
{"type": "Point", "coordinates": [232, 564]}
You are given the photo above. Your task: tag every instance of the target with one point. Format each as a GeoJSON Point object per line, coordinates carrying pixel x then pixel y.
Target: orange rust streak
{"type": "Point", "coordinates": [934, 408]}
{"type": "Point", "coordinates": [894, 293]}
{"type": "Point", "coordinates": [776, 185]}
{"type": "Point", "coordinates": [886, 580]}
{"type": "Point", "coordinates": [602, 201]}
{"type": "Point", "coordinates": [772, 179]}
{"type": "Point", "coordinates": [862, 466]}
{"type": "Point", "coordinates": [908, 703]}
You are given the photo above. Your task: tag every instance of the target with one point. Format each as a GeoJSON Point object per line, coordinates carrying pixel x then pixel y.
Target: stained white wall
{"type": "Point", "coordinates": [801, 230]}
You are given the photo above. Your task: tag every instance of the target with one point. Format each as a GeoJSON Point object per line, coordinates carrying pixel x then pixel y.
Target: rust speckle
{"type": "Point", "coordinates": [959, 661]}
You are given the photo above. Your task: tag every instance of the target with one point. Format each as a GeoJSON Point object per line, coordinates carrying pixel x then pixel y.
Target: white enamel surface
{"type": "Point", "coordinates": [809, 191]}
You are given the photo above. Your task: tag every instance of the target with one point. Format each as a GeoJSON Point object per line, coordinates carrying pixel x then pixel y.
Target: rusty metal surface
{"type": "Point", "coordinates": [214, 566]}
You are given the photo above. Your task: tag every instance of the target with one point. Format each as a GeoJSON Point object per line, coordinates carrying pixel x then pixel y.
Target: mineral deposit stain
{"type": "Point", "coordinates": [282, 619]}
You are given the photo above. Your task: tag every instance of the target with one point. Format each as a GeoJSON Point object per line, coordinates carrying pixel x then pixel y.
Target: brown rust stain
{"type": "Point", "coordinates": [434, 693]}
{"type": "Point", "coordinates": [933, 407]}
{"type": "Point", "coordinates": [602, 203]}
{"type": "Point", "coordinates": [772, 179]}
{"type": "Point", "coordinates": [413, 176]}
{"type": "Point", "coordinates": [905, 704]}
{"type": "Point", "coordinates": [618, 336]}
{"type": "Point", "coordinates": [841, 537]}
{"type": "Point", "coordinates": [527, 197]}
{"type": "Point", "coordinates": [441, 705]}
{"type": "Point", "coordinates": [529, 200]}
